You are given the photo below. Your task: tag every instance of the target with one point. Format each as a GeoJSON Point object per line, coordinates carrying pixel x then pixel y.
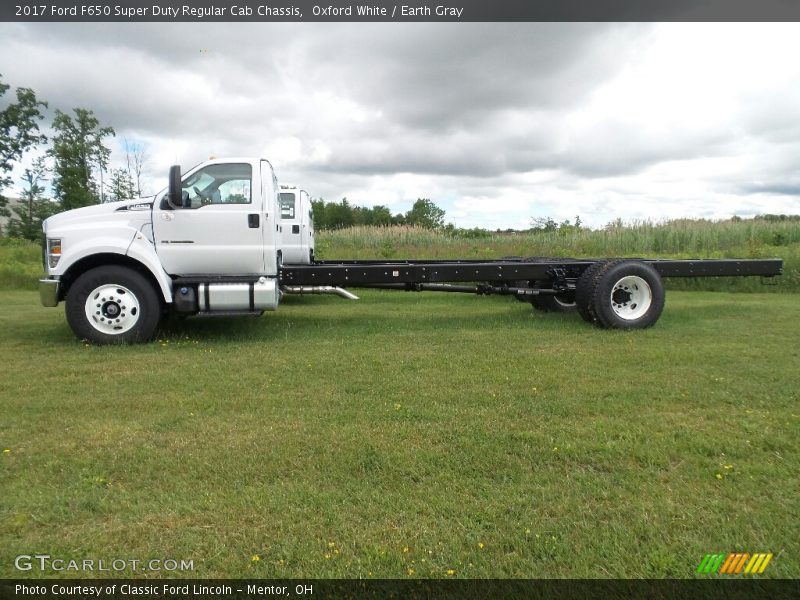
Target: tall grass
{"type": "Point", "coordinates": [696, 237]}
{"type": "Point", "coordinates": [20, 264]}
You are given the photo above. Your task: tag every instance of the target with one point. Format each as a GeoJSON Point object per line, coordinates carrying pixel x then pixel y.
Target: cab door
{"type": "Point", "coordinates": [219, 229]}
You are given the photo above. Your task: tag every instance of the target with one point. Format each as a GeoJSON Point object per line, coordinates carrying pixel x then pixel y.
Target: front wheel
{"type": "Point", "coordinates": [113, 305]}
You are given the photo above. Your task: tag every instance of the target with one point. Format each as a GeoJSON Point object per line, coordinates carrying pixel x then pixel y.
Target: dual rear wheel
{"type": "Point", "coordinates": [613, 294]}
{"type": "Point", "coordinates": [620, 294]}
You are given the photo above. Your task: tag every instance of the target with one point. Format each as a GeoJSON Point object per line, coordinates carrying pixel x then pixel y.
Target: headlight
{"type": "Point", "coordinates": [53, 251]}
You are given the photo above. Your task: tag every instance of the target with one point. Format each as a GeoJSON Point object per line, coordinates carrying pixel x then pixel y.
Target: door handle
{"type": "Point", "coordinates": [253, 221]}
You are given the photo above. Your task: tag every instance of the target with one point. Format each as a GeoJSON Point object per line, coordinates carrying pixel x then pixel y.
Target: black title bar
{"type": "Point", "coordinates": [142, 11]}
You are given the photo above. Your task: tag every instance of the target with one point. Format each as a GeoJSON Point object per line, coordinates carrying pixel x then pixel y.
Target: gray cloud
{"type": "Point", "coordinates": [557, 117]}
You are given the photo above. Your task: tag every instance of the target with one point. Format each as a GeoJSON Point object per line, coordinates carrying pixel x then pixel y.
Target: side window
{"type": "Point", "coordinates": [219, 184]}
{"type": "Point", "coordinates": [287, 201]}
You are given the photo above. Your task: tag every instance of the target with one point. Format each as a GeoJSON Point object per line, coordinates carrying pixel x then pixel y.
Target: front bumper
{"type": "Point", "coordinates": [48, 291]}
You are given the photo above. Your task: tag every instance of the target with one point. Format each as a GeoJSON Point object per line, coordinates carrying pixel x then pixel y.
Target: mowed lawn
{"type": "Point", "coordinates": [407, 435]}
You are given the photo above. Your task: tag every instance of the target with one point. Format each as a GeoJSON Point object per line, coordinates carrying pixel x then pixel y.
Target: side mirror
{"type": "Point", "coordinates": [175, 196]}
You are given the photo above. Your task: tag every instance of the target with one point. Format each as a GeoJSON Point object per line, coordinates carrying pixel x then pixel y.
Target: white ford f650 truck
{"type": "Point", "coordinates": [211, 244]}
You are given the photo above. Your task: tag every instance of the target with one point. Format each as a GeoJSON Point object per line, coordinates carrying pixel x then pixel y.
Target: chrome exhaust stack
{"type": "Point", "coordinates": [318, 289]}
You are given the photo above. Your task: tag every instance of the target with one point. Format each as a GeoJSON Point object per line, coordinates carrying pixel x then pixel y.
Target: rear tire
{"type": "Point", "coordinates": [628, 295]}
{"type": "Point", "coordinates": [584, 290]}
{"type": "Point", "coordinates": [113, 305]}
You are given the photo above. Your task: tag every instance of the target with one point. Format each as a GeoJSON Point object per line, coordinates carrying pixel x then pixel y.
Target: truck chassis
{"type": "Point", "coordinates": [611, 293]}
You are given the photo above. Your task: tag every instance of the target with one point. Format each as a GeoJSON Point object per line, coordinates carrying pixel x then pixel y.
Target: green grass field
{"type": "Point", "coordinates": [407, 435]}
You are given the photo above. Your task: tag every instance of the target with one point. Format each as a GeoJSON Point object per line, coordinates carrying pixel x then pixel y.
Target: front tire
{"type": "Point", "coordinates": [113, 305]}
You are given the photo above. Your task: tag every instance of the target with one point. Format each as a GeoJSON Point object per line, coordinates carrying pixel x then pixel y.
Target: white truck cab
{"type": "Point", "coordinates": [226, 222]}
{"type": "Point", "coordinates": [296, 226]}
{"type": "Point", "coordinates": [207, 244]}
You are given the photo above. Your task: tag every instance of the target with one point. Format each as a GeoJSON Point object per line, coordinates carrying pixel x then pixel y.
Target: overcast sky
{"type": "Point", "coordinates": [496, 123]}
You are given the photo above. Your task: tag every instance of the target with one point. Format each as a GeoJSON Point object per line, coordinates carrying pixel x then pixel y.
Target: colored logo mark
{"type": "Point", "coordinates": [734, 563]}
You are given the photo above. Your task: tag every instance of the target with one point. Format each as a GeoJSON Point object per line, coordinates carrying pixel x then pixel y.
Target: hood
{"type": "Point", "coordinates": [135, 212]}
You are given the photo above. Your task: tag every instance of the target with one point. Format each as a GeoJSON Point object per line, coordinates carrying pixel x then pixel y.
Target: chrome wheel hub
{"type": "Point", "coordinates": [112, 309]}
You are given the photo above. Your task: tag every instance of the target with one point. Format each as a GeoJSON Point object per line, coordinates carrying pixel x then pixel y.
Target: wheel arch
{"type": "Point", "coordinates": [102, 259]}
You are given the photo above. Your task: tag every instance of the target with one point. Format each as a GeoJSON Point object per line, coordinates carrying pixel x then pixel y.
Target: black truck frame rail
{"type": "Point", "coordinates": [556, 271]}
{"type": "Point", "coordinates": [625, 293]}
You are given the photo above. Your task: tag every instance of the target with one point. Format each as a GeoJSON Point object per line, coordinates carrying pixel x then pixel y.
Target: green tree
{"type": "Point", "coordinates": [77, 150]}
{"type": "Point", "coordinates": [19, 131]}
{"type": "Point", "coordinates": [318, 208]}
{"type": "Point", "coordinates": [362, 215]}
{"type": "Point", "coordinates": [121, 186]}
{"type": "Point", "coordinates": [339, 215]}
{"type": "Point", "coordinates": [545, 224]}
{"type": "Point", "coordinates": [381, 215]}
{"type": "Point", "coordinates": [33, 207]}
{"type": "Point", "coordinates": [425, 214]}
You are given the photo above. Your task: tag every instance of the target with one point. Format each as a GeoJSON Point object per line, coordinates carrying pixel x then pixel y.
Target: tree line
{"type": "Point", "coordinates": [337, 215]}
{"type": "Point", "coordinates": [75, 159]}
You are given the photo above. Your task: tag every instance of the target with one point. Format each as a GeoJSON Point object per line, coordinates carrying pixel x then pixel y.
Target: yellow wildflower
{"type": "Point", "coordinates": [255, 558]}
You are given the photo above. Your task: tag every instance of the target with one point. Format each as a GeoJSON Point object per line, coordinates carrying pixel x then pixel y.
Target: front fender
{"type": "Point", "coordinates": [80, 245]}
{"type": "Point", "coordinates": [143, 251]}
